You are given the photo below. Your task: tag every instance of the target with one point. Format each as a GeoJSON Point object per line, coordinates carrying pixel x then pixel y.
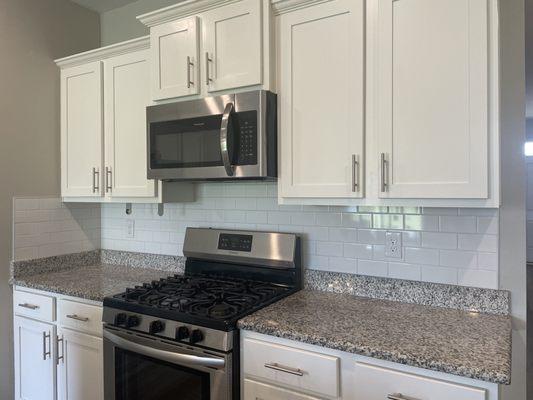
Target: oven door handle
{"type": "Point", "coordinates": [224, 139]}
{"type": "Point", "coordinates": [165, 355]}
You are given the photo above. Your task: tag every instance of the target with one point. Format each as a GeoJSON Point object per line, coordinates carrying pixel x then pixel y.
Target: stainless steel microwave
{"type": "Point", "coordinates": [216, 138]}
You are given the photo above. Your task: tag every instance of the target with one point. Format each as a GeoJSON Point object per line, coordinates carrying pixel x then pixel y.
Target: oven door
{"type": "Point", "coordinates": [138, 367]}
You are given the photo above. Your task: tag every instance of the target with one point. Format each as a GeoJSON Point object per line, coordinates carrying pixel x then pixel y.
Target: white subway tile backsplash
{"type": "Point", "coordinates": [438, 244]}
{"type": "Point", "coordinates": [458, 259]}
{"type": "Point", "coordinates": [373, 268]}
{"type": "Point", "coordinates": [371, 236]}
{"type": "Point", "coordinates": [439, 240]}
{"type": "Point", "coordinates": [458, 224]}
{"type": "Point", "coordinates": [488, 243]}
{"type": "Point", "coordinates": [387, 221]}
{"type": "Point", "coordinates": [422, 222]}
{"type": "Point", "coordinates": [417, 255]}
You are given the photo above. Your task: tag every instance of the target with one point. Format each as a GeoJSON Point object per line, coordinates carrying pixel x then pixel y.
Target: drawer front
{"type": "Point", "coordinates": [299, 369]}
{"type": "Point", "coordinates": [80, 317]}
{"type": "Point", "coordinates": [34, 305]}
{"type": "Point", "coordinates": [261, 391]}
{"type": "Point", "coordinates": [378, 383]}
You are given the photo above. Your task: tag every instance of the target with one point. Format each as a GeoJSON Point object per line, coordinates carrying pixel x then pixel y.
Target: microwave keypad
{"type": "Point", "coordinates": [247, 142]}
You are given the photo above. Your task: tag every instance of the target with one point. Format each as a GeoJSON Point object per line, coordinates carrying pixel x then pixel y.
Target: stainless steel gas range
{"type": "Point", "coordinates": [177, 337]}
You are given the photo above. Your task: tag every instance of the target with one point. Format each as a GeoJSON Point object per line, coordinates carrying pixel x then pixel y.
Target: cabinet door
{"type": "Point", "coordinates": [377, 383]}
{"type": "Point", "coordinates": [80, 367]}
{"type": "Point", "coordinates": [126, 98]}
{"type": "Point", "coordinates": [432, 115]}
{"type": "Point", "coordinates": [81, 130]}
{"type": "Point", "coordinates": [233, 45]}
{"type": "Point", "coordinates": [34, 360]}
{"type": "Point", "coordinates": [175, 64]}
{"type": "Point", "coordinates": [261, 391]}
{"type": "Point", "coordinates": [321, 96]}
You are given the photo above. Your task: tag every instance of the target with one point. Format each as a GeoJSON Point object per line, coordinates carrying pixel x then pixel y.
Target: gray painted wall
{"type": "Point", "coordinates": [121, 24]}
{"type": "Point", "coordinates": [32, 34]}
{"type": "Point", "coordinates": [512, 212]}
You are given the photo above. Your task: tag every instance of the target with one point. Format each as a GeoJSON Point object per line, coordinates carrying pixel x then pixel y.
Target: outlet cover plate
{"type": "Point", "coordinates": [393, 245]}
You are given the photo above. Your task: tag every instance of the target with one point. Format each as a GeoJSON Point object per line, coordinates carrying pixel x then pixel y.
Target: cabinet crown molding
{"type": "Point", "coordinates": [284, 6]}
{"type": "Point", "coordinates": [181, 10]}
{"type": "Point", "coordinates": [104, 52]}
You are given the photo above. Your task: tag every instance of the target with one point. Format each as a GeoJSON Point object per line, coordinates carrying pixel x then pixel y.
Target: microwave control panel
{"type": "Point", "coordinates": [246, 153]}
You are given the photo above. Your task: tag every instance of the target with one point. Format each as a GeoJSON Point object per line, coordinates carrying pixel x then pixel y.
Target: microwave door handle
{"type": "Point", "coordinates": [165, 355]}
{"type": "Point", "coordinates": [224, 139]}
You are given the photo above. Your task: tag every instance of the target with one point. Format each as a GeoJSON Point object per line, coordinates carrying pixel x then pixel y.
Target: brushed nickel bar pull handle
{"type": "Point", "coordinates": [96, 180]}
{"type": "Point", "coordinates": [189, 65]}
{"type": "Point", "coordinates": [49, 352]}
{"type": "Point", "coordinates": [277, 367]}
{"type": "Point", "coordinates": [355, 173]}
{"type": "Point", "coordinates": [207, 61]}
{"type": "Point", "coordinates": [77, 317]}
{"type": "Point", "coordinates": [30, 306]}
{"type": "Point", "coordinates": [398, 396]}
{"type": "Point", "coordinates": [62, 356]}
{"type": "Point", "coordinates": [384, 171]}
{"type": "Point", "coordinates": [108, 179]}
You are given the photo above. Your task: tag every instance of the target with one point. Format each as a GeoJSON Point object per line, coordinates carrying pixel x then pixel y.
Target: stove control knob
{"type": "Point", "coordinates": [156, 327]}
{"type": "Point", "coordinates": [121, 319]}
{"type": "Point", "coordinates": [196, 336]}
{"type": "Point", "coordinates": [182, 333]}
{"type": "Point", "coordinates": [133, 321]}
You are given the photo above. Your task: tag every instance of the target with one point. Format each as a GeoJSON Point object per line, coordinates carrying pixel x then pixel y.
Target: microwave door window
{"type": "Point", "coordinates": [190, 143]}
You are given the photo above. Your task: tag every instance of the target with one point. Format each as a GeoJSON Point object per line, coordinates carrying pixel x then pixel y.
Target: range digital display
{"type": "Point", "coordinates": [234, 242]}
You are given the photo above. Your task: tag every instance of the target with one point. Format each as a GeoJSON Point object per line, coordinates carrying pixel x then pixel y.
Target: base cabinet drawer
{"type": "Point", "coordinates": [291, 367]}
{"type": "Point", "coordinates": [378, 383]}
{"type": "Point", "coordinates": [80, 317]}
{"type": "Point", "coordinates": [261, 391]}
{"type": "Point", "coordinates": [34, 305]}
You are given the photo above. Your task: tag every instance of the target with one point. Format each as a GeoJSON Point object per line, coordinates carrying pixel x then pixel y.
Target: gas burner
{"type": "Point", "coordinates": [206, 297]}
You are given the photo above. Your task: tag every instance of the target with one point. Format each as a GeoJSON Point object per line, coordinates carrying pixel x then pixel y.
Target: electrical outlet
{"type": "Point", "coordinates": [393, 244]}
{"type": "Point", "coordinates": [130, 228]}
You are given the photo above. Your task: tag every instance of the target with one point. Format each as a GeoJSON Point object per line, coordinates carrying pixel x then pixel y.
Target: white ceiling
{"type": "Point", "coordinates": [102, 5]}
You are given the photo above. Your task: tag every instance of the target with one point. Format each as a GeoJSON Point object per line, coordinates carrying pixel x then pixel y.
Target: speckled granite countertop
{"type": "Point", "coordinates": [92, 282]}
{"type": "Point", "coordinates": [458, 342]}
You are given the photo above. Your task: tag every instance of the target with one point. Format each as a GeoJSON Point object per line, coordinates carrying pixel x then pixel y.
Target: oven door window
{"type": "Point", "coordinates": [138, 377]}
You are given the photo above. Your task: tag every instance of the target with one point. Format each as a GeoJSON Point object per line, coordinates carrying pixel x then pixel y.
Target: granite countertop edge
{"type": "Point", "coordinates": [503, 378]}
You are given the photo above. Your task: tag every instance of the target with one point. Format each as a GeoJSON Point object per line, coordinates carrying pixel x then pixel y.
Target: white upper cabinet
{"type": "Point", "coordinates": [233, 45]}
{"type": "Point", "coordinates": [81, 130]}
{"type": "Point", "coordinates": [205, 46]}
{"type": "Point", "coordinates": [433, 105]}
{"type": "Point", "coordinates": [35, 359]}
{"type": "Point", "coordinates": [321, 93]}
{"type": "Point", "coordinates": [175, 51]}
{"type": "Point", "coordinates": [127, 95]}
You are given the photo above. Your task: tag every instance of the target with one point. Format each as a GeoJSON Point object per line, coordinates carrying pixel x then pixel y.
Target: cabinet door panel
{"type": "Point", "coordinates": [175, 64]}
{"type": "Point", "coordinates": [34, 360]}
{"type": "Point", "coordinates": [321, 96]}
{"type": "Point", "coordinates": [80, 371]}
{"type": "Point", "coordinates": [233, 40]}
{"type": "Point", "coordinates": [81, 130]}
{"type": "Point", "coordinates": [261, 391]}
{"type": "Point", "coordinates": [127, 95]}
{"type": "Point", "coordinates": [433, 98]}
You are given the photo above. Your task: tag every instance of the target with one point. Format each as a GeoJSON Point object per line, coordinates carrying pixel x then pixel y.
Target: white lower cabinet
{"type": "Point", "coordinates": [281, 369]}
{"type": "Point", "coordinates": [35, 357]}
{"type": "Point", "coordinates": [60, 359]}
{"type": "Point", "coordinates": [80, 366]}
{"type": "Point", "coordinates": [254, 390]}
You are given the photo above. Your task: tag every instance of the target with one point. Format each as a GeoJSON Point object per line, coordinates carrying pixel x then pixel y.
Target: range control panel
{"type": "Point", "coordinates": [235, 242]}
